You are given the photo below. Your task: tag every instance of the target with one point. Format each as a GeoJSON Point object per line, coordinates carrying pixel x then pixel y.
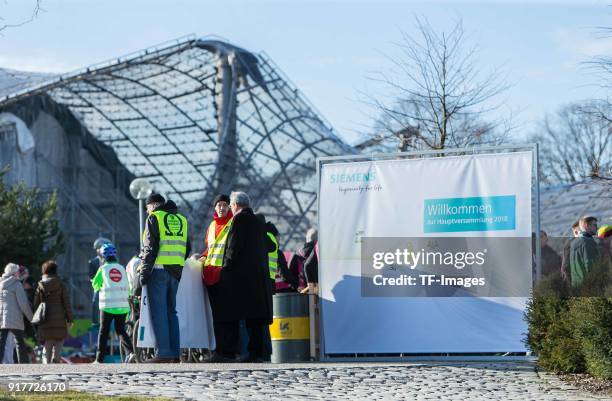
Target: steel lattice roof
{"type": "Point", "coordinates": [158, 110]}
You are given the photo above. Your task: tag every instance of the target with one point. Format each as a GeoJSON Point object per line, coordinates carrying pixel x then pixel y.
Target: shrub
{"type": "Point", "coordinates": [570, 335]}
{"type": "Point", "coordinates": [560, 351]}
{"type": "Point", "coordinates": [591, 320]}
{"type": "Point", "coordinates": [548, 304]}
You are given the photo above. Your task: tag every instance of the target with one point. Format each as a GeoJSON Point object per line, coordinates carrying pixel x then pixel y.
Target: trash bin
{"type": "Point", "coordinates": [290, 330]}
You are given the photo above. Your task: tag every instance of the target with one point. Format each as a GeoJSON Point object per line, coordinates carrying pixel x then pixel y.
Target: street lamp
{"type": "Point", "coordinates": [140, 189]}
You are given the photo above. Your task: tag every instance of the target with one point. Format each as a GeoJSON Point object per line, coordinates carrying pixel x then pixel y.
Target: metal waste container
{"type": "Point", "coordinates": [290, 330]}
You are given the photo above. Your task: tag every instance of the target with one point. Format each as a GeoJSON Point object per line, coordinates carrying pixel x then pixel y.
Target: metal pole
{"type": "Point", "coordinates": [141, 221]}
{"type": "Point", "coordinates": [321, 354]}
{"type": "Point", "coordinates": [385, 156]}
{"type": "Point", "coordinates": [538, 253]}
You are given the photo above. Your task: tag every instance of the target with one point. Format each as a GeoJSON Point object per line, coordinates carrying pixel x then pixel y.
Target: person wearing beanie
{"type": "Point", "coordinates": [604, 234]}
{"type": "Point", "coordinates": [14, 306]}
{"type": "Point", "coordinates": [243, 290]}
{"type": "Point", "coordinates": [212, 258]}
{"type": "Point", "coordinates": [604, 231]}
{"type": "Point", "coordinates": [165, 248]}
{"type": "Point", "coordinates": [214, 242]}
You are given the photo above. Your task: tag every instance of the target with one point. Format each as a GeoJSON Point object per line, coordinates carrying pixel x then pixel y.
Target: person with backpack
{"type": "Point", "coordinates": [111, 281]}
{"type": "Point", "coordinates": [13, 306]}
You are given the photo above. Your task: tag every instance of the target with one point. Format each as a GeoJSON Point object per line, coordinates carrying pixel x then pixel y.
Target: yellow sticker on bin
{"type": "Point", "coordinates": [290, 328]}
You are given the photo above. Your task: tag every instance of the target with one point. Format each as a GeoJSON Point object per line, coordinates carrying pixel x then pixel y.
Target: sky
{"type": "Point", "coordinates": [331, 49]}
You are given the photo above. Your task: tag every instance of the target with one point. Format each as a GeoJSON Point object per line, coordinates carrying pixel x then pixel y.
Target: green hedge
{"type": "Point", "coordinates": [570, 334]}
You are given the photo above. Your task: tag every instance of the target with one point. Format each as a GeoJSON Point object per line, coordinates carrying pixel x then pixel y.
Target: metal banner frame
{"type": "Point", "coordinates": [535, 221]}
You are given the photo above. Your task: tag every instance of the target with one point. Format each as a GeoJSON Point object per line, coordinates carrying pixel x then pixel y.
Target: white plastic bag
{"type": "Point", "coordinates": [193, 309]}
{"type": "Point", "coordinates": [146, 335]}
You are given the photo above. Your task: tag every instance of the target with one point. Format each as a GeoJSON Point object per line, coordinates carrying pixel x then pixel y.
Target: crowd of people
{"type": "Point", "coordinates": [242, 267]}
{"type": "Point", "coordinates": [19, 297]}
{"type": "Point", "coordinates": [585, 260]}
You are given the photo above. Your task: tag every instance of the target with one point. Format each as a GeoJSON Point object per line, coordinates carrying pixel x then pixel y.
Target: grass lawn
{"type": "Point", "coordinates": [69, 396]}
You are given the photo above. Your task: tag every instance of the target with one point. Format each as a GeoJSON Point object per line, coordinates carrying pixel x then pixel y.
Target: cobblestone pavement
{"type": "Point", "coordinates": [363, 381]}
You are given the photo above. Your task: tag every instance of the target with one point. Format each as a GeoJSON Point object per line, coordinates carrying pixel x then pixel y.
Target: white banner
{"type": "Point", "coordinates": [461, 196]}
{"type": "Point", "coordinates": [193, 310]}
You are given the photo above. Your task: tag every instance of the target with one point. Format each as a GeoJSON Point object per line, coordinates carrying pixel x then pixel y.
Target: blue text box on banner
{"type": "Point", "coordinates": [477, 213]}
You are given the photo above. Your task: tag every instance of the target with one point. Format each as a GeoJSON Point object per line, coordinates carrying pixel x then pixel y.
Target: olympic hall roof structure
{"type": "Point", "coordinates": [198, 117]}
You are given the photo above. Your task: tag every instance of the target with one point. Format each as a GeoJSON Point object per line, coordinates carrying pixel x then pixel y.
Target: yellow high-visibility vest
{"type": "Point", "coordinates": [216, 245]}
{"type": "Point", "coordinates": [172, 238]}
{"type": "Point", "coordinates": [273, 257]}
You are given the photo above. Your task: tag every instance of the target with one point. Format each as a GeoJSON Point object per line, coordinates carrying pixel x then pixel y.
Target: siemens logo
{"type": "Point", "coordinates": [353, 178]}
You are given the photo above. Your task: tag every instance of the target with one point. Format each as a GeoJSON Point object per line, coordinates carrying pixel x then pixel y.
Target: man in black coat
{"type": "Point", "coordinates": [243, 291]}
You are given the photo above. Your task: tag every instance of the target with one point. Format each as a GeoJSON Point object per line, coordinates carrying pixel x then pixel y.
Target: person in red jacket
{"type": "Point", "coordinates": [221, 217]}
{"type": "Point", "coordinates": [212, 259]}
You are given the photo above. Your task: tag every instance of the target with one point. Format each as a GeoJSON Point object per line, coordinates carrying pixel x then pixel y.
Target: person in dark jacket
{"type": "Point", "coordinates": [565, 259]}
{"type": "Point", "coordinates": [311, 262]}
{"type": "Point", "coordinates": [58, 317]}
{"type": "Point", "coordinates": [93, 265]}
{"type": "Point", "coordinates": [551, 261]}
{"type": "Point", "coordinates": [285, 280]}
{"type": "Point", "coordinates": [29, 286]}
{"type": "Point", "coordinates": [13, 306]}
{"type": "Point", "coordinates": [212, 259]}
{"type": "Point", "coordinates": [243, 291]}
{"type": "Point", "coordinates": [584, 251]}
{"type": "Point", "coordinates": [161, 278]}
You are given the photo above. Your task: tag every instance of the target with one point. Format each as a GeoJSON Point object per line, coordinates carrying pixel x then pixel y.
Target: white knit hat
{"type": "Point", "coordinates": [10, 270]}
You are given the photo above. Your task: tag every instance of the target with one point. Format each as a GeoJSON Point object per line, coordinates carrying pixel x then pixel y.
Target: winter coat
{"type": "Point", "coordinates": [584, 254]}
{"type": "Point", "coordinates": [286, 274]}
{"type": "Point", "coordinates": [565, 260]}
{"type": "Point", "coordinates": [220, 224]}
{"type": "Point", "coordinates": [94, 263]}
{"type": "Point", "coordinates": [551, 261]}
{"type": "Point", "coordinates": [58, 310]}
{"type": "Point", "coordinates": [13, 304]}
{"type": "Point", "coordinates": [311, 263]}
{"type": "Point", "coordinates": [150, 247]}
{"type": "Point", "coordinates": [244, 290]}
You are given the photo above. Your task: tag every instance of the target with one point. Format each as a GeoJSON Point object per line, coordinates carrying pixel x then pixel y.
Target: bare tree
{"type": "Point", "coordinates": [33, 15]}
{"type": "Point", "coordinates": [439, 97]}
{"type": "Point", "coordinates": [576, 143]}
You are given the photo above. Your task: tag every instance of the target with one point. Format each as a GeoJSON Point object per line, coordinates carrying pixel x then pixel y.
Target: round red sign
{"type": "Point", "coordinates": [115, 275]}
